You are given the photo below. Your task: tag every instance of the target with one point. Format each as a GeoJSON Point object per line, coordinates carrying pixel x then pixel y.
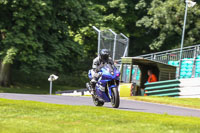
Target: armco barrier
{"type": "Point", "coordinates": [174, 88]}
{"type": "Point", "coordinates": [163, 88]}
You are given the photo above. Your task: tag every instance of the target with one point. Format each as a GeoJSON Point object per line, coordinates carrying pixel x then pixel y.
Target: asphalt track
{"type": "Point", "coordinates": [129, 105]}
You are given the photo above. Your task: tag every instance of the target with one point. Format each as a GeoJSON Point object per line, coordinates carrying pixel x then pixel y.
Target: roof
{"type": "Point", "coordinates": [143, 61]}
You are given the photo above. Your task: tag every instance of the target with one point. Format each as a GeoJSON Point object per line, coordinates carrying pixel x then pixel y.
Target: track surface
{"type": "Point", "coordinates": [130, 105]}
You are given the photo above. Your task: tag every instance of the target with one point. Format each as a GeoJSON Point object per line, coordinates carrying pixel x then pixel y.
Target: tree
{"type": "Point", "coordinates": [121, 16]}
{"type": "Point", "coordinates": [35, 34]}
{"type": "Point", "coordinates": [165, 18]}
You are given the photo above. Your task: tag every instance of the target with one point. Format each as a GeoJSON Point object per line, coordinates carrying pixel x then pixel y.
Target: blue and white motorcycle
{"type": "Point", "coordinates": [106, 89]}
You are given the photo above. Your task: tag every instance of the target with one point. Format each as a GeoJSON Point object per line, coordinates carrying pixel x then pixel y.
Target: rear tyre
{"type": "Point", "coordinates": [115, 100]}
{"type": "Point", "coordinates": [97, 102]}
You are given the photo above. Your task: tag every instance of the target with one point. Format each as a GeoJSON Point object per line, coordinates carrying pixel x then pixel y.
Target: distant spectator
{"type": "Point", "coordinates": [152, 77]}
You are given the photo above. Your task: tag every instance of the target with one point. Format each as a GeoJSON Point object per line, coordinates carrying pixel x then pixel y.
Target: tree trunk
{"type": "Point", "coordinates": [5, 74]}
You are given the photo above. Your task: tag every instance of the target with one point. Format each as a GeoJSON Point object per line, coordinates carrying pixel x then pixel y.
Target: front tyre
{"type": "Point", "coordinates": [97, 102]}
{"type": "Point", "coordinates": [115, 100]}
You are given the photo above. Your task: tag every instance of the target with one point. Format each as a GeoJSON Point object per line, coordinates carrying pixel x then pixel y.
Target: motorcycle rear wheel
{"type": "Point", "coordinates": [97, 102]}
{"type": "Point", "coordinates": [115, 100]}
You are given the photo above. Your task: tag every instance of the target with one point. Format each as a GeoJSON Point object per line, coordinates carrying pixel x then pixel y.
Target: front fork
{"type": "Point", "coordinates": [110, 89]}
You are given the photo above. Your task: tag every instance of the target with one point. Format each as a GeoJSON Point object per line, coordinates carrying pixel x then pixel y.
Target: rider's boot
{"type": "Point", "coordinates": [93, 84]}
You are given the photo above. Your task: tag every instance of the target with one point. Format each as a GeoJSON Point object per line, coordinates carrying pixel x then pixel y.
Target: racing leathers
{"type": "Point", "coordinates": [98, 63]}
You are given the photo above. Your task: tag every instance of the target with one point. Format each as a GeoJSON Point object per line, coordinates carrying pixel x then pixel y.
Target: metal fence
{"type": "Point", "coordinates": [189, 53]}
{"type": "Point", "coordinates": [174, 55]}
{"type": "Point", "coordinates": [117, 44]}
{"type": "Point", "coordinates": [107, 40]}
{"type": "Point", "coordinates": [121, 49]}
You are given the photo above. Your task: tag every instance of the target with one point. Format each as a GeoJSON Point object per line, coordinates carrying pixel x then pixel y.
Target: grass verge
{"type": "Point", "coordinates": [185, 102]}
{"type": "Point", "coordinates": [37, 117]}
{"type": "Point", "coordinates": [33, 89]}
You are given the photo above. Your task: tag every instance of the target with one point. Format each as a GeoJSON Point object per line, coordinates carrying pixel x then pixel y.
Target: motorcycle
{"type": "Point", "coordinates": [106, 89]}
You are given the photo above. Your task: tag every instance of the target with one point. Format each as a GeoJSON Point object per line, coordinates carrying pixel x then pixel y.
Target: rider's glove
{"type": "Point", "coordinates": [96, 75]}
{"type": "Point", "coordinates": [99, 67]}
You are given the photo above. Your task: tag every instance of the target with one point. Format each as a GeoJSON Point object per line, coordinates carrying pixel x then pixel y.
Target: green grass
{"type": "Point", "coordinates": [185, 102]}
{"type": "Point", "coordinates": [36, 117]}
{"type": "Point", "coordinates": [33, 89]}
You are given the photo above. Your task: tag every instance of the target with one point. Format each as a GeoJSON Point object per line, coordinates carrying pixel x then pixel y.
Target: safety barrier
{"type": "Point", "coordinates": [187, 88]}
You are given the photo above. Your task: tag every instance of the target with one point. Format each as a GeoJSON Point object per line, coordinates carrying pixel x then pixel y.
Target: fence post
{"type": "Point", "coordinates": [152, 56]}
{"type": "Point", "coordinates": [99, 38]}
{"type": "Point", "coordinates": [127, 43]}
{"type": "Point", "coordinates": [167, 58]}
{"type": "Point", "coordinates": [115, 40]}
{"type": "Point", "coordinates": [99, 41]}
{"type": "Point", "coordinates": [114, 48]}
{"type": "Point", "coordinates": [194, 63]}
{"type": "Point", "coordinates": [127, 47]}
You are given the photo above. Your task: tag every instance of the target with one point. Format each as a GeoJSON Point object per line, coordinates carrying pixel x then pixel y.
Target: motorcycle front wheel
{"type": "Point", "coordinates": [115, 100]}
{"type": "Point", "coordinates": [97, 102]}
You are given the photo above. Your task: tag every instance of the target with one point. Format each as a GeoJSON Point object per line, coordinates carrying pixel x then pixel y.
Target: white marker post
{"type": "Point", "coordinates": [52, 78]}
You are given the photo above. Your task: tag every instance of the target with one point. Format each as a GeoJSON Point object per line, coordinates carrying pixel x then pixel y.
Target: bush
{"type": "Point", "coordinates": [40, 78]}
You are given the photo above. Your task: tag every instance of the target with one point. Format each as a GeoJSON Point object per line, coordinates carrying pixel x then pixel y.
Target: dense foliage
{"type": "Point", "coordinates": [56, 35]}
{"type": "Point", "coordinates": [36, 34]}
{"type": "Point", "coordinates": [165, 19]}
{"type": "Point", "coordinates": [39, 30]}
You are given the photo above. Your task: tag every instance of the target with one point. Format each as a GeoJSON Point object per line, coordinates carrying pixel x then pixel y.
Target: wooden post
{"type": "Point", "coordinates": [130, 74]}
{"type": "Point", "coordinates": [121, 72]}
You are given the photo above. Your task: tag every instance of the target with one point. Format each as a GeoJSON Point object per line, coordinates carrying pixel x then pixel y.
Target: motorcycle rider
{"type": "Point", "coordinates": [98, 63]}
